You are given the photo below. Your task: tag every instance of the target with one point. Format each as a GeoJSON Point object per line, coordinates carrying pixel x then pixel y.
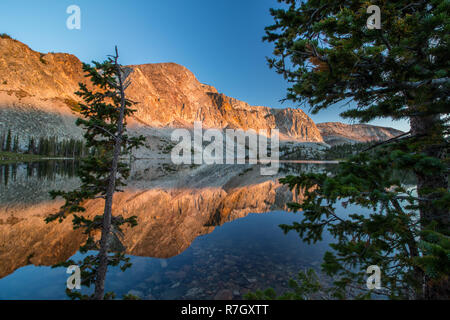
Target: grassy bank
{"type": "Point", "coordinates": [11, 157]}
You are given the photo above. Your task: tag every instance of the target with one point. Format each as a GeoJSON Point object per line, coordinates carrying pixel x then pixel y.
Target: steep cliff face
{"type": "Point", "coordinates": [169, 95]}
{"type": "Point", "coordinates": [25, 73]}
{"type": "Point", "coordinates": [335, 133]}
{"type": "Point", "coordinates": [36, 91]}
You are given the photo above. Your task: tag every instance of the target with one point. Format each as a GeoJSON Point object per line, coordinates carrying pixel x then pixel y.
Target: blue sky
{"type": "Point", "coordinates": [220, 41]}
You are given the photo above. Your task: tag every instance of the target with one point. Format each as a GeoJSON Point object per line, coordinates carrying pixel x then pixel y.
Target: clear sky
{"type": "Point", "coordinates": [220, 41]}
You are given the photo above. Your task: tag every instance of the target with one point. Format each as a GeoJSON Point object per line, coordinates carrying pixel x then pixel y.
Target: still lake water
{"type": "Point", "coordinates": [242, 251]}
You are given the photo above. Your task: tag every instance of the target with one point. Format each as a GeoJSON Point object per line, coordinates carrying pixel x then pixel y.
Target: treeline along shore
{"type": "Point", "coordinates": [38, 147]}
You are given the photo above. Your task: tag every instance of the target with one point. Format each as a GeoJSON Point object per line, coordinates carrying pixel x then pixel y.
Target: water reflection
{"type": "Point", "coordinates": [246, 254]}
{"type": "Point", "coordinates": [50, 170]}
{"type": "Point", "coordinates": [182, 246]}
{"type": "Point", "coordinates": [30, 182]}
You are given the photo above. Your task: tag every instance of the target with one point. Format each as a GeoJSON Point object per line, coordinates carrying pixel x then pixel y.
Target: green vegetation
{"type": "Point", "coordinates": [329, 55]}
{"type": "Point", "coordinates": [297, 153]}
{"type": "Point", "coordinates": [67, 148]}
{"type": "Point", "coordinates": [73, 105]}
{"type": "Point", "coordinates": [345, 151]}
{"type": "Point", "coordinates": [38, 148]}
{"type": "Point", "coordinates": [102, 173]}
{"type": "Point", "coordinates": [338, 152]}
{"type": "Point", "coordinates": [11, 157]}
{"type": "Point", "coordinates": [167, 147]}
{"type": "Point", "coordinates": [290, 152]}
{"type": "Point", "coordinates": [168, 168]}
{"type": "Point", "coordinates": [5, 36]}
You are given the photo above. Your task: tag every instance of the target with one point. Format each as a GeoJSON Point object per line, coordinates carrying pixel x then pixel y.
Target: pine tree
{"type": "Point", "coordinates": [31, 146]}
{"type": "Point", "coordinates": [53, 146]}
{"type": "Point", "coordinates": [401, 71]}
{"type": "Point", "coordinates": [2, 142]}
{"type": "Point", "coordinates": [8, 141]}
{"type": "Point", "coordinates": [102, 173]}
{"type": "Point", "coordinates": [16, 144]}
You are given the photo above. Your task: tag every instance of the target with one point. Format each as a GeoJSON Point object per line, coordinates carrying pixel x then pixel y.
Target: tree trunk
{"type": "Point", "coordinates": [107, 214]}
{"type": "Point", "coordinates": [427, 128]}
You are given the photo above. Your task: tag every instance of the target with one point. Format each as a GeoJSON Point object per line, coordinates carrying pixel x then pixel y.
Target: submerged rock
{"type": "Point", "coordinates": [224, 294]}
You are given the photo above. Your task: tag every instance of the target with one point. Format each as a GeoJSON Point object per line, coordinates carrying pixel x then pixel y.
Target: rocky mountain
{"type": "Point", "coordinates": [37, 98]}
{"type": "Point", "coordinates": [335, 133]}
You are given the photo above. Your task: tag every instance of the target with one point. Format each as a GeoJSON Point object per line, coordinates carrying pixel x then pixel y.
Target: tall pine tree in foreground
{"type": "Point", "coordinates": [401, 71]}
{"type": "Point", "coordinates": [104, 112]}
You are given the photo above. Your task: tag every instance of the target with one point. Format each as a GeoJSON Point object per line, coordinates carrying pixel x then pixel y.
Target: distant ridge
{"type": "Point", "coordinates": [37, 98]}
{"type": "Point", "coordinates": [335, 133]}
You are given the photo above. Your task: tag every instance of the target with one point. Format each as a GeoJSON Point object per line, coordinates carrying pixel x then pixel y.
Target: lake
{"type": "Point", "coordinates": [203, 232]}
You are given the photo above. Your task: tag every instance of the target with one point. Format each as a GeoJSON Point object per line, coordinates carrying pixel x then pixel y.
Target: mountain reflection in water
{"type": "Point", "coordinates": [175, 253]}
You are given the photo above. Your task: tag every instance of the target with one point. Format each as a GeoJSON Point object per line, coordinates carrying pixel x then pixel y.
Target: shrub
{"type": "Point", "coordinates": [5, 36]}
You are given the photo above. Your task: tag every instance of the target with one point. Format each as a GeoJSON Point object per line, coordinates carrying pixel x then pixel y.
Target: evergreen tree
{"type": "Point", "coordinates": [8, 141]}
{"type": "Point", "coordinates": [2, 142]}
{"type": "Point", "coordinates": [31, 146]}
{"type": "Point", "coordinates": [53, 144]}
{"type": "Point", "coordinates": [40, 146]}
{"type": "Point", "coordinates": [102, 173]}
{"type": "Point", "coordinates": [16, 144]}
{"type": "Point", "coordinates": [401, 71]}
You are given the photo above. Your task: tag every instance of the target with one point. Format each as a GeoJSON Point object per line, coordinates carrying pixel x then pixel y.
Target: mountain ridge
{"type": "Point", "coordinates": [168, 95]}
{"type": "Point", "coordinates": [37, 99]}
{"type": "Point", "coordinates": [335, 133]}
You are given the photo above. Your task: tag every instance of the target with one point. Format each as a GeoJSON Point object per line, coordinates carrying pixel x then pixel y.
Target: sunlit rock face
{"type": "Point", "coordinates": [172, 211]}
{"type": "Point", "coordinates": [37, 98]}
{"type": "Point", "coordinates": [170, 95]}
{"type": "Point", "coordinates": [335, 133]}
